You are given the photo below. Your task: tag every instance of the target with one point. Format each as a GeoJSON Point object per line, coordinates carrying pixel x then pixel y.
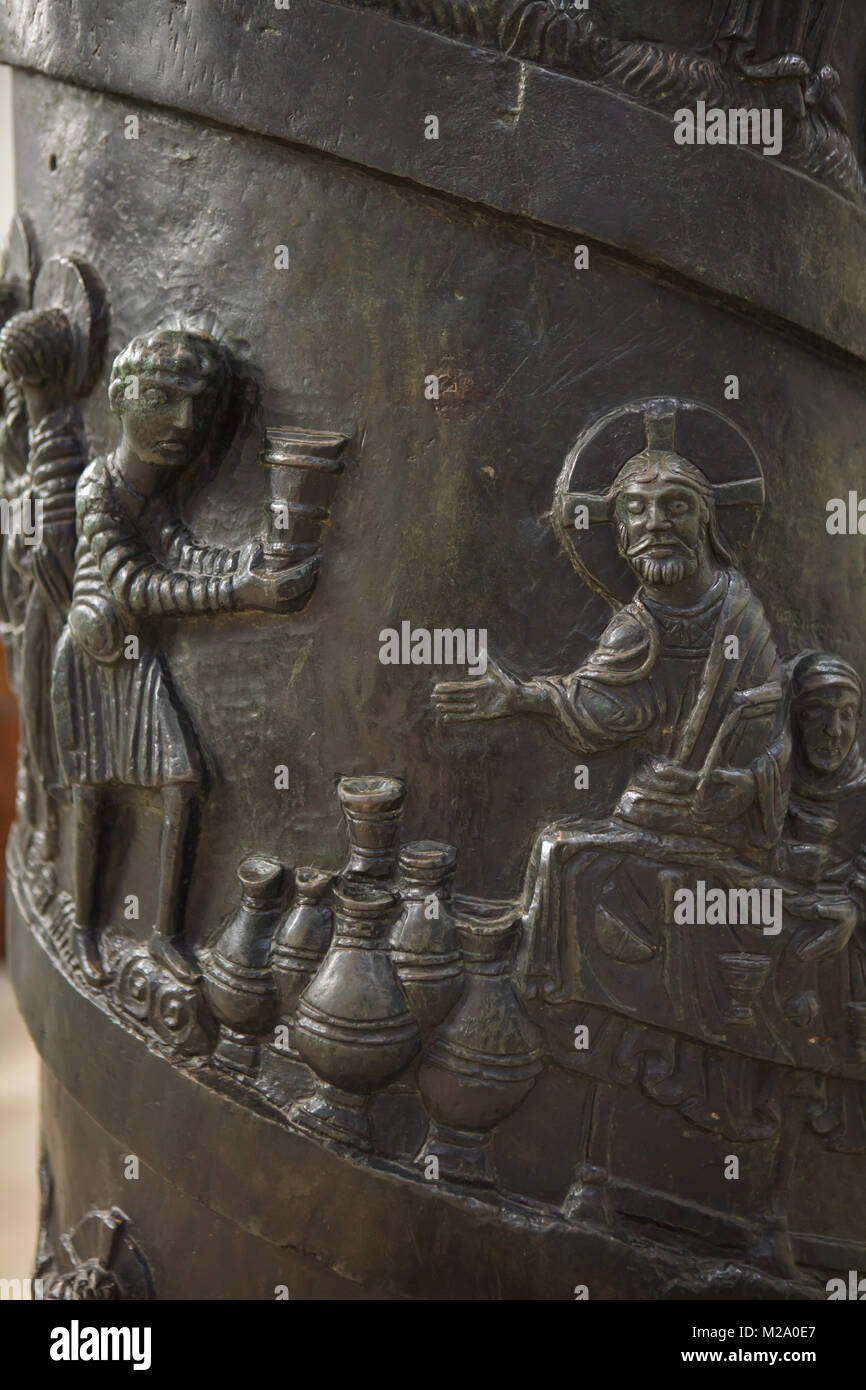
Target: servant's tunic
{"type": "Point", "coordinates": [117, 717]}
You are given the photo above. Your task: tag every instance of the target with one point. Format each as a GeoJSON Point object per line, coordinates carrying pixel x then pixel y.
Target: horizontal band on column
{"type": "Point", "coordinates": [516, 137]}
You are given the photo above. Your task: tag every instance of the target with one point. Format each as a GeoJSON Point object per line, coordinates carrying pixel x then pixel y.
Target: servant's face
{"type": "Point", "coordinates": [167, 425]}
{"type": "Point", "coordinates": [827, 727]}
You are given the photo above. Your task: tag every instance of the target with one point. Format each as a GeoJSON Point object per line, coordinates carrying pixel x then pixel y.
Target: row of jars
{"type": "Point", "coordinates": [368, 969]}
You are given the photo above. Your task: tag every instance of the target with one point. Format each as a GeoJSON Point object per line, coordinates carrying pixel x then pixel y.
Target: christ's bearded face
{"type": "Point", "coordinates": [661, 529]}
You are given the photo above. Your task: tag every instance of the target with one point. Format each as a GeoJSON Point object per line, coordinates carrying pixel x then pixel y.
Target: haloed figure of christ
{"type": "Point", "coordinates": [664, 677]}
{"type": "Point", "coordinates": [687, 675]}
{"type": "Point", "coordinates": [118, 719]}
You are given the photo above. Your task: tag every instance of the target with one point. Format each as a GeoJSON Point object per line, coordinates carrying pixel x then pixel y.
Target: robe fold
{"type": "Point", "coordinates": [670, 684]}
{"type": "Point", "coordinates": [118, 719]}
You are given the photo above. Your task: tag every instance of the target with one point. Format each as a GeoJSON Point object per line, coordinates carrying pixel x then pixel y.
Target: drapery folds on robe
{"type": "Point", "coordinates": [119, 720]}
{"type": "Point", "coordinates": [675, 687]}
{"type": "Point", "coordinates": [13, 484]}
{"type": "Point", "coordinates": [666, 681]}
{"type": "Point", "coordinates": [56, 458]}
{"type": "Point", "coordinates": [829, 809]}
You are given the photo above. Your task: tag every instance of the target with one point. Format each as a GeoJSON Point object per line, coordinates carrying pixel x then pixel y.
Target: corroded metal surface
{"type": "Point", "coordinates": [431, 580]}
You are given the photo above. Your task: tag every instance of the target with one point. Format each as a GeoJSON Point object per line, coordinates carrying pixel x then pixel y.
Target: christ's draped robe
{"type": "Point", "coordinates": [599, 937]}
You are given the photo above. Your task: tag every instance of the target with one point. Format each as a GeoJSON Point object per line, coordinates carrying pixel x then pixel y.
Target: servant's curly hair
{"type": "Point", "coordinates": [175, 352]}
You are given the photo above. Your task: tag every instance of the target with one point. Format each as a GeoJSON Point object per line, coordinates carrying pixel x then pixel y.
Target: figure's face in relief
{"type": "Point", "coordinates": [661, 529]}
{"type": "Point", "coordinates": [826, 723]}
{"type": "Point", "coordinates": [166, 424]}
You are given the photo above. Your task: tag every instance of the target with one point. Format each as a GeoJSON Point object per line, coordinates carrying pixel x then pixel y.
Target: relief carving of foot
{"type": "Point", "coordinates": [86, 943]}
{"type": "Point", "coordinates": [588, 1198]}
{"type": "Point", "coordinates": [171, 952]}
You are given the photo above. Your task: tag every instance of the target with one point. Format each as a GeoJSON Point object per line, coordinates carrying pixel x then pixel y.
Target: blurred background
{"type": "Point", "coordinates": [18, 1066]}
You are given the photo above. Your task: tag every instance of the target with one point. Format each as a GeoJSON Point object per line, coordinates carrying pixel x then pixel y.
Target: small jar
{"type": "Point", "coordinates": [424, 944]}
{"type": "Point", "coordinates": [237, 981]}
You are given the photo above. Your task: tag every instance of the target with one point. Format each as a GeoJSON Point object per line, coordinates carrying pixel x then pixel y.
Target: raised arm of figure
{"type": "Point", "coordinates": [193, 556]}
{"type": "Point", "coordinates": [143, 584]}
{"type": "Point", "coordinates": [139, 581]}
{"type": "Point", "coordinates": [495, 695]}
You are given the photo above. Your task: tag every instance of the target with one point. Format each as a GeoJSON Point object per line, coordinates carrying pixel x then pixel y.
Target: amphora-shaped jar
{"type": "Point", "coordinates": [483, 1061]}
{"type": "Point", "coordinates": [372, 807]}
{"type": "Point", "coordinates": [300, 942]}
{"type": "Point", "coordinates": [424, 945]}
{"type": "Point", "coordinates": [237, 981]}
{"type": "Point", "coordinates": [353, 1025]}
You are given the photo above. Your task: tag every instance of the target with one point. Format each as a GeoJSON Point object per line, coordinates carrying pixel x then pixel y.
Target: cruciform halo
{"type": "Point", "coordinates": [698, 433]}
